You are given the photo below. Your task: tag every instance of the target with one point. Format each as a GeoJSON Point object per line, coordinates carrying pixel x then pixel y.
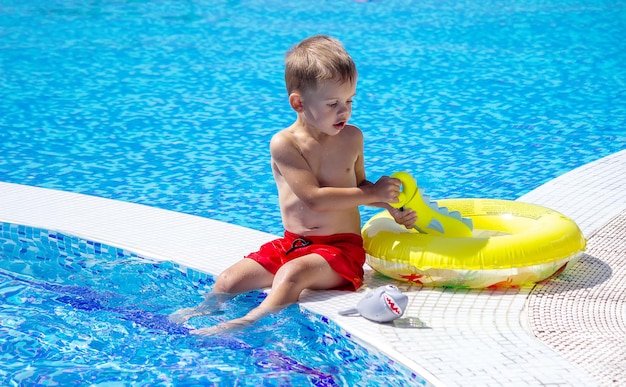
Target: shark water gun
{"type": "Point", "coordinates": [383, 304]}
{"type": "Point", "coordinates": [431, 219]}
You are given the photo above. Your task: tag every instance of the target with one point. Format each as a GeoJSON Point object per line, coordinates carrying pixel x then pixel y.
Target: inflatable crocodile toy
{"type": "Point", "coordinates": [431, 219]}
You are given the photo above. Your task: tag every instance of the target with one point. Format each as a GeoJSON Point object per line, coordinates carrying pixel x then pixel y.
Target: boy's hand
{"type": "Point", "coordinates": [405, 217]}
{"type": "Point", "coordinates": [387, 189]}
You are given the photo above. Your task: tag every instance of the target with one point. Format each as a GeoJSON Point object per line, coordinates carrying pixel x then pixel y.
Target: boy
{"type": "Point", "coordinates": [318, 166]}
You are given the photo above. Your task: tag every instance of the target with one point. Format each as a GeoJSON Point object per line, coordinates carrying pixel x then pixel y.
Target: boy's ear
{"type": "Point", "coordinates": [295, 100]}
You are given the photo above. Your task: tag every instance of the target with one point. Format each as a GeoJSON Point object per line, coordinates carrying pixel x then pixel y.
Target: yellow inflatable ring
{"type": "Point", "coordinates": [512, 244]}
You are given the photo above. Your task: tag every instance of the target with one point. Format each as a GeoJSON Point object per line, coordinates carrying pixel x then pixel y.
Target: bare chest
{"type": "Point", "coordinates": [333, 166]}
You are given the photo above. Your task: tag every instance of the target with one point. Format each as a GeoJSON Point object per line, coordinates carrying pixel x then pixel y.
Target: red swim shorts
{"type": "Point", "coordinates": [343, 252]}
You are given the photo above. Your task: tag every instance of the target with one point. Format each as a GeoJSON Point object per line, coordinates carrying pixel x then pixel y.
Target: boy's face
{"type": "Point", "coordinates": [328, 108]}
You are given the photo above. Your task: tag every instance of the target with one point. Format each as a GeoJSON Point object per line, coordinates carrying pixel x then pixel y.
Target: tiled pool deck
{"type": "Point", "coordinates": [567, 331]}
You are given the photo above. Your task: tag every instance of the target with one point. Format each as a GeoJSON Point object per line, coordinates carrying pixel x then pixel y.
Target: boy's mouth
{"type": "Point", "coordinates": [339, 125]}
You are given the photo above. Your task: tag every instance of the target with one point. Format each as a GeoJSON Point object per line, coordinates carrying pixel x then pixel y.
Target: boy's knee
{"type": "Point", "coordinates": [313, 273]}
{"type": "Point", "coordinates": [292, 273]}
{"type": "Point", "coordinates": [225, 282]}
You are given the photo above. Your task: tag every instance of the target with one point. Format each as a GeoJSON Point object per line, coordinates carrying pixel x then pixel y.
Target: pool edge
{"type": "Point", "coordinates": [584, 194]}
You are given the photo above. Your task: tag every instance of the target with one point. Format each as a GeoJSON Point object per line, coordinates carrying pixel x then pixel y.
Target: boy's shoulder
{"type": "Point", "coordinates": [283, 137]}
{"type": "Point", "coordinates": [352, 129]}
{"type": "Point", "coordinates": [282, 141]}
{"type": "Point", "coordinates": [350, 133]}
{"type": "Point", "coordinates": [288, 138]}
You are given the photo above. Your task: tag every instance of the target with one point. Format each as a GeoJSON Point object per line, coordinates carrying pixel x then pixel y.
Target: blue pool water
{"type": "Point", "coordinates": [78, 312]}
{"type": "Point", "coordinates": [172, 104]}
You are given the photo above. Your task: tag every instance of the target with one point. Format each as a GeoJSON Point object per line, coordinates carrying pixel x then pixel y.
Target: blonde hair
{"type": "Point", "coordinates": [315, 59]}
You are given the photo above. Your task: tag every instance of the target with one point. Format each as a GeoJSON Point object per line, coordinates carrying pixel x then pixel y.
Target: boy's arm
{"type": "Point", "coordinates": [386, 206]}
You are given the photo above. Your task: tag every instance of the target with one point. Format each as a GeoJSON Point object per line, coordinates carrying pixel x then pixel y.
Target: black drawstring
{"type": "Point", "coordinates": [298, 243]}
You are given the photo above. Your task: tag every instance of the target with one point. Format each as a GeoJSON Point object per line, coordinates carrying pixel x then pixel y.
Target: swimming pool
{"type": "Point", "coordinates": [77, 311]}
{"type": "Point", "coordinates": [147, 101]}
{"type": "Point", "coordinates": [172, 104]}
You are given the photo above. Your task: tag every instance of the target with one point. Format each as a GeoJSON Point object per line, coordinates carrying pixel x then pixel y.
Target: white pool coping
{"type": "Point", "coordinates": [478, 337]}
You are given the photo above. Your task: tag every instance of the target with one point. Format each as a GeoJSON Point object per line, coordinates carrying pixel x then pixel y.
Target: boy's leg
{"type": "Point", "coordinates": [307, 272]}
{"type": "Point", "coordinates": [243, 276]}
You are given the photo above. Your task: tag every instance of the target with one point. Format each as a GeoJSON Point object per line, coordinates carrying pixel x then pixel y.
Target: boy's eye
{"type": "Point", "coordinates": [332, 104]}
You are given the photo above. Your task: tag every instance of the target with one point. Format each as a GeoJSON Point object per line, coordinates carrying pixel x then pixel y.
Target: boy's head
{"type": "Point", "coordinates": [315, 59]}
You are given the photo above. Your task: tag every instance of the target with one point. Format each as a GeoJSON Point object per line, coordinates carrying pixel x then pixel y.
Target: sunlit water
{"type": "Point", "coordinates": [172, 104]}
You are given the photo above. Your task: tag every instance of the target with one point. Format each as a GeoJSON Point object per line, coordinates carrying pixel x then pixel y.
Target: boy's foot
{"type": "Point", "coordinates": [224, 327]}
{"type": "Point", "coordinates": [183, 315]}
{"type": "Point", "coordinates": [211, 305]}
